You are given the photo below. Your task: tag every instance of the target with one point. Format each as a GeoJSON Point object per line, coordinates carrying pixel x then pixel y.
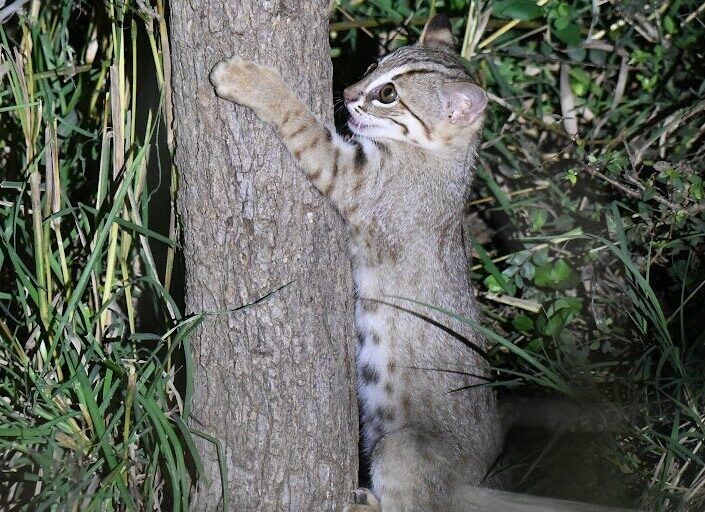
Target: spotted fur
{"type": "Point", "coordinates": [400, 184]}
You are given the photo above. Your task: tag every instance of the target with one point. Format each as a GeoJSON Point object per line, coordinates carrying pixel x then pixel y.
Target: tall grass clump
{"type": "Point", "coordinates": [94, 393]}
{"type": "Point", "coordinates": [588, 223]}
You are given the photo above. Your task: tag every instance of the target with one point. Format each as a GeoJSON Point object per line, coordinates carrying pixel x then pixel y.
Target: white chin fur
{"type": "Point", "coordinates": [378, 132]}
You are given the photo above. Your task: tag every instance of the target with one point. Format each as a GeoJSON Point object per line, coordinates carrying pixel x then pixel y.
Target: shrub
{"type": "Point", "coordinates": [94, 397]}
{"type": "Point", "coordinates": [588, 212]}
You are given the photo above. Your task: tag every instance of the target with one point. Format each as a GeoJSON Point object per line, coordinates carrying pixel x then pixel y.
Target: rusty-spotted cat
{"type": "Point", "coordinates": [400, 183]}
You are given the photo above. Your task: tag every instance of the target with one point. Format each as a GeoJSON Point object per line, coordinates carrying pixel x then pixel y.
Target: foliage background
{"type": "Point", "coordinates": [587, 219]}
{"type": "Point", "coordinates": [588, 226]}
{"type": "Point", "coordinates": [95, 368]}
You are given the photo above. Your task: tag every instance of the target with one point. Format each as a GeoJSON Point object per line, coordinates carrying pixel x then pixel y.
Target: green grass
{"type": "Point", "coordinates": [94, 399]}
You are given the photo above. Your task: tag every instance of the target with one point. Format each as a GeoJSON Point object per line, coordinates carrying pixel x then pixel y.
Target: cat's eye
{"type": "Point", "coordinates": [371, 68]}
{"type": "Point", "coordinates": [387, 93]}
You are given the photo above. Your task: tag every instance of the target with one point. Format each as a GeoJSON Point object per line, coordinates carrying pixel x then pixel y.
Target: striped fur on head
{"type": "Point", "coordinates": [420, 94]}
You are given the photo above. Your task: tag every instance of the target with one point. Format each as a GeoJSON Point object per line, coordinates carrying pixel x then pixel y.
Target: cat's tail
{"type": "Point", "coordinates": [561, 415]}
{"type": "Point", "coordinates": [482, 499]}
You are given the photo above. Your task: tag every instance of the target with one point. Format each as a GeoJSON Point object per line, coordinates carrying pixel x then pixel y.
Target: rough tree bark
{"type": "Point", "coordinates": [274, 383]}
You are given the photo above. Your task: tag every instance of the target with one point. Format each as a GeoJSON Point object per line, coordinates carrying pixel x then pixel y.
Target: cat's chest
{"type": "Point", "coordinates": [385, 398]}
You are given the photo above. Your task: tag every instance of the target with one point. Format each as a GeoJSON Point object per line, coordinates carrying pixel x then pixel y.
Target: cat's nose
{"type": "Point", "coordinates": [350, 94]}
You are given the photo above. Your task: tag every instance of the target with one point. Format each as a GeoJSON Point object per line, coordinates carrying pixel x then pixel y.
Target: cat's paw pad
{"type": "Point", "coordinates": [363, 501]}
{"type": "Point", "coordinates": [228, 79]}
{"type": "Point", "coordinates": [240, 80]}
{"type": "Point", "coordinates": [221, 73]}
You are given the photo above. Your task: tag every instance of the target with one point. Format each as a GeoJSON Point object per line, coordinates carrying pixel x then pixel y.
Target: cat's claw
{"type": "Point", "coordinates": [363, 501]}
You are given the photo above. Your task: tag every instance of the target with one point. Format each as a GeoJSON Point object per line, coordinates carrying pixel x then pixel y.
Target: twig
{"type": "Point", "coordinates": [566, 237]}
{"type": "Point", "coordinates": [670, 123]}
{"type": "Point", "coordinates": [643, 27]}
{"type": "Point", "coordinates": [618, 91]}
{"type": "Point", "coordinates": [528, 305]}
{"type": "Point", "coordinates": [637, 194]}
{"type": "Point", "coordinates": [630, 192]}
{"type": "Point", "coordinates": [526, 116]}
{"type": "Point", "coordinates": [7, 12]}
{"type": "Point", "coordinates": [506, 28]}
{"type": "Point", "coordinates": [354, 23]}
{"type": "Point", "coordinates": [570, 121]}
{"type": "Point", "coordinates": [398, 31]}
{"type": "Point", "coordinates": [65, 71]}
{"type": "Point", "coordinates": [490, 199]}
{"type": "Point", "coordinates": [351, 18]}
{"type": "Point", "coordinates": [693, 14]}
{"type": "Point", "coordinates": [692, 210]}
{"type": "Point", "coordinates": [474, 28]}
{"type": "Point", "coordinates": [673, 315]}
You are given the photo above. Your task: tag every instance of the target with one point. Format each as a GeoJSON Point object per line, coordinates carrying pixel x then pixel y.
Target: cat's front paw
{"type": "Point", "coordinates": [363, 501]}
{"type": "Point", "coordinates": [244, 82]}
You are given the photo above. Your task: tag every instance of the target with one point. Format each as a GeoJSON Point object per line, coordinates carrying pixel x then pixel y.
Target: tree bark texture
{"type": "Point", "coordinates": [274, 382]}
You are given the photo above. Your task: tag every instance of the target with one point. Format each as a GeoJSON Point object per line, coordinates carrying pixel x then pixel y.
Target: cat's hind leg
{"type": "Point", "coordinates": [412, 472]}
{"type": "Point", "coordinates": [363, 501]}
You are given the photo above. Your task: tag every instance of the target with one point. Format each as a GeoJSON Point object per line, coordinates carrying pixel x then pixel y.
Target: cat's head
{"type": "Point", "coordinates": [420, 94]}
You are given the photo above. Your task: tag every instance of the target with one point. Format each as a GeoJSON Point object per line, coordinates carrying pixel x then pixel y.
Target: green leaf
{"type": "Point", "coordinates": [557, 275]}
{"type": "Point", "coordinates": [553, 325]}
{"type": "Point", "coordinates": [571, 176]}
{"type": "Point", "coordinates": [517, 9]}
{"type": "Point", "coordinates": [561, 23]}
{"type": "Point", "coordinates": [569, 34]}
{"type": "Point", "coordinates": [535, 345]}
{"type": "Point", "coordinates": [523, 323]}
{"type": "Point", "coordinates": [492, 285]}
{"type": "Point", "coordinates": [540, 257]}
{"type": "Point", "coordinates": [539, 218]}
{"type": "Point", "coordinates": [528, 270]}
{"type": "Point", "coordinates": [491, 268]}
{"type": "Point", "coordinates": [573, 303]}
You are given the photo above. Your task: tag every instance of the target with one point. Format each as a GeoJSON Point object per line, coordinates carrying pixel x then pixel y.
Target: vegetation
{"type": "Point", "coordinates": [588, 221]}
{"type": "Point", "coordinates": [95, 377]}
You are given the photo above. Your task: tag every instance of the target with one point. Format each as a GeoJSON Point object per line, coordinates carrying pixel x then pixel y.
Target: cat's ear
{"type": "Point", "coordinates": [463, 102]}
{"type": "Point", "coordinates": [437, 33]}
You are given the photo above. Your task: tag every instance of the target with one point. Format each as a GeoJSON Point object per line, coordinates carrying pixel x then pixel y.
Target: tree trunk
{"type": "Point", "coordinates": [273, 383]}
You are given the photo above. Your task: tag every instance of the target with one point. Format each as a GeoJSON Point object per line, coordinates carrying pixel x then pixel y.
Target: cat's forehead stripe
{"type": "Point", "coordinates": [428, 71]}
{"type": "Point", "coordinates": [407, 70]}
{"type": "Point", "coordinates": [411, 63]}
{"type": "Point", "coordinates": [413, 53]}
{"type": "Point", "coordinates": [387, 77]}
